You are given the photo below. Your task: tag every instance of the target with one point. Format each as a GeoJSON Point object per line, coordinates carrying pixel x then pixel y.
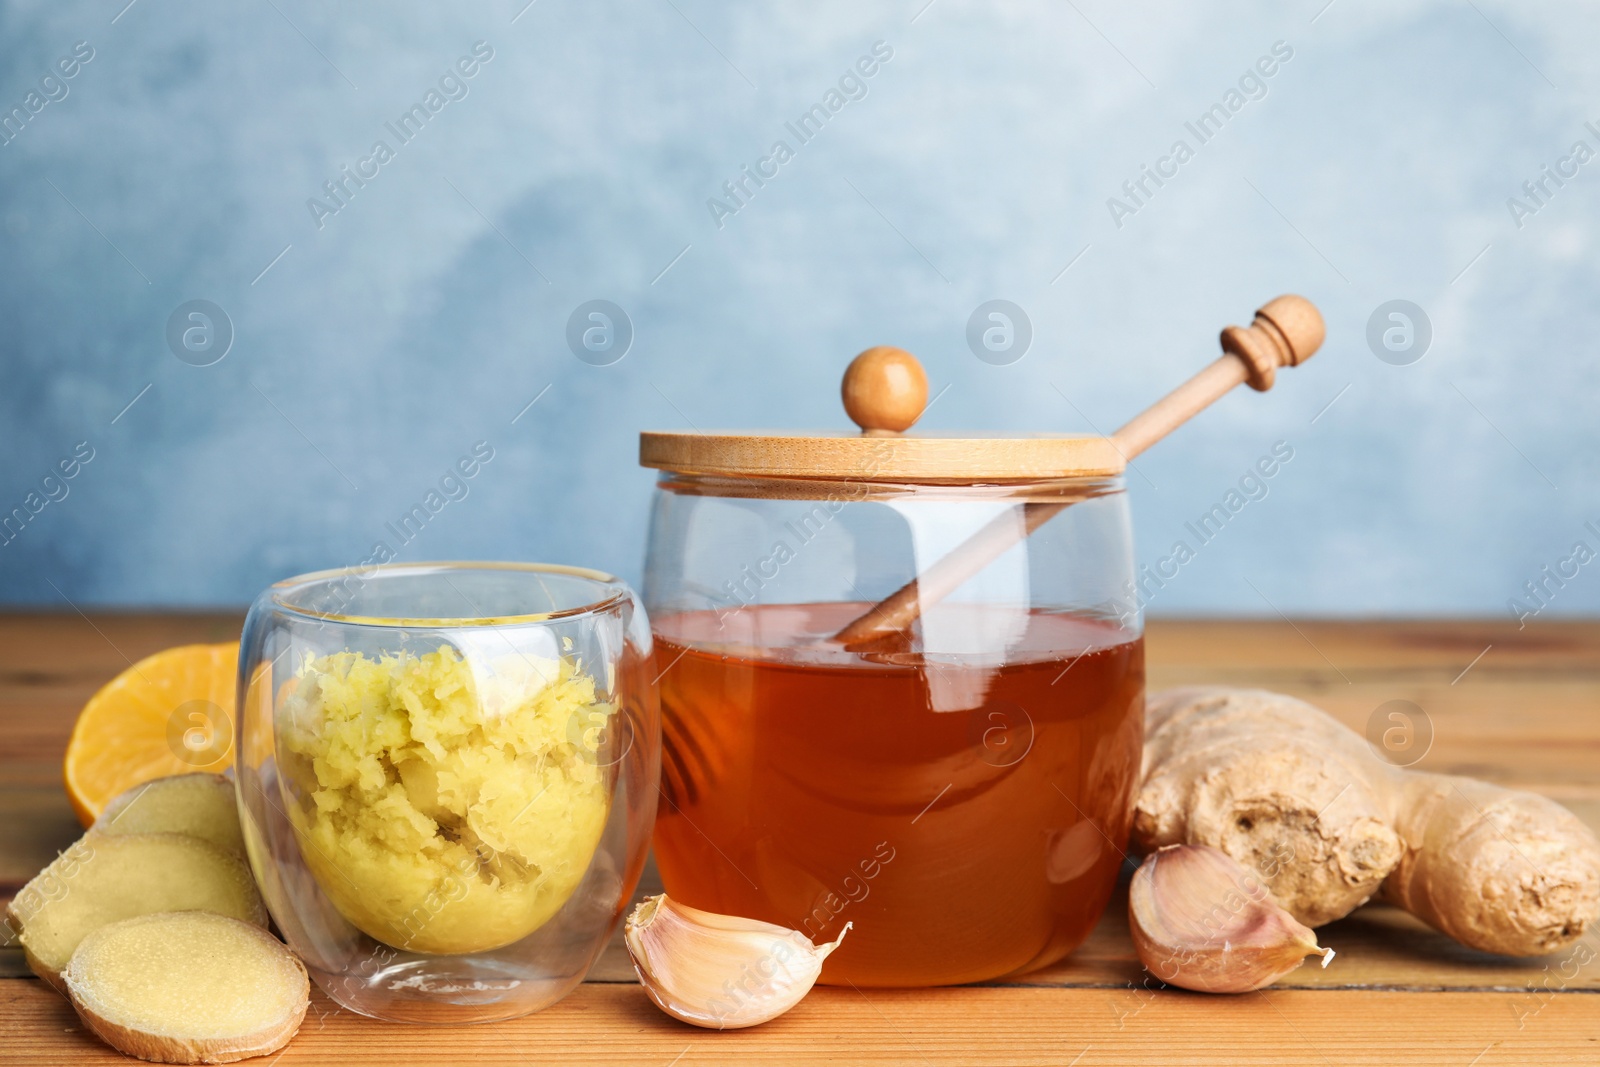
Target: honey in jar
{"type": "Point", "coordinates": [812, 786]}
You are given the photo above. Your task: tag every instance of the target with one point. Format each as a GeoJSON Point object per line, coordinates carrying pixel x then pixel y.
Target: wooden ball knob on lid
{"type": "Point", "coordinates": [884, 390]}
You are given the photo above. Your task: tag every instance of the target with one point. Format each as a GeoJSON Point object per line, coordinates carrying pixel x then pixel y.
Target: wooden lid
{"type": "Point", "coordinates": [942, 459]}
{"type": "Point", "coordinates": [884, 391]}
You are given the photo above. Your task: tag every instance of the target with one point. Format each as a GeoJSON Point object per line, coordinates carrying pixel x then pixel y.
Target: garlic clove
{"type": "Point", "coordinates": [720, 971]}
{"type": "Point", "coordinates": [1202, 921]}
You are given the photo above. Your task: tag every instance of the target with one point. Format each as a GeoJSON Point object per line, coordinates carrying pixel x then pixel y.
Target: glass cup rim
{"type": "Point", "coordinates": [275, 593]}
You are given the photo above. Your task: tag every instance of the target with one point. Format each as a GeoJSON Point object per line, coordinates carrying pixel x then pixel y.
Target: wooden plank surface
{"type": "Point", "coordinates": [614, 1024]}
{"type": "Point", "coordinates": [1517, 707]}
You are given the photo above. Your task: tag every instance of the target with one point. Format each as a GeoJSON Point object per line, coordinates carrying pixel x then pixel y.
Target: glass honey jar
{"type": "Point", "coordinates": [901, 683]}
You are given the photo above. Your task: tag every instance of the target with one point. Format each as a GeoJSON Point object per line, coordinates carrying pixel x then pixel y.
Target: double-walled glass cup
{"type": "Point", "coordinates": [957, 789]}
{"type": "Point", "coordinates": [447, 776]}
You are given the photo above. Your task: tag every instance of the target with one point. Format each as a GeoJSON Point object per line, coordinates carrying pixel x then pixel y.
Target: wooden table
{"type": "Point", "coordinates": [1516, 707]}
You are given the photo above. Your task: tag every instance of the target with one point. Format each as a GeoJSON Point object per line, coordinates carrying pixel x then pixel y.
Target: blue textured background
{"type": "Point", "coordinates": [427, 313]}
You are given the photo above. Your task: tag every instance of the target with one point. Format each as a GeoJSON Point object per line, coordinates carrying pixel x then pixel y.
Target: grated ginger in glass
{"type": "Point", "coordinates": [445, 804]}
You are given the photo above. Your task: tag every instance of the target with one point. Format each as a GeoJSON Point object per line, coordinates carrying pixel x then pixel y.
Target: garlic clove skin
{"type": "Point", "coordinates": [1202, 921]}
{"type": "Point", "coordinates": [720, 971]}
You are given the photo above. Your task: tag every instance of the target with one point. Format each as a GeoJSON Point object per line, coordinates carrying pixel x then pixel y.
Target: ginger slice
{"type": "Point", "coordinates": [187, 987]}
{"type": "Point", "coordinates": [103, 878]}
{"type": "Point", "coordinates": [200, 805]}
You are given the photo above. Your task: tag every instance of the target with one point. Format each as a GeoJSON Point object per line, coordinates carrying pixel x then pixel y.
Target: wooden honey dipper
{"type": "Point", "coordinates": [885, 390]}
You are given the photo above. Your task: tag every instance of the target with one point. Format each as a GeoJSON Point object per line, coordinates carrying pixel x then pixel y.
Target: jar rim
{"type": "Point", "coordinates": [614, 591]}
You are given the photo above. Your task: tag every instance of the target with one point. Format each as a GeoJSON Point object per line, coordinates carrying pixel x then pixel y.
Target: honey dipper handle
{"type": "Point", "coordinates": [1286, 332]}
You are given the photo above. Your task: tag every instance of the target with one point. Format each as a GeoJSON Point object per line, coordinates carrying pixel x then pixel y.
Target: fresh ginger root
{"type": "Point", "coordinates": [1282, 787]}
